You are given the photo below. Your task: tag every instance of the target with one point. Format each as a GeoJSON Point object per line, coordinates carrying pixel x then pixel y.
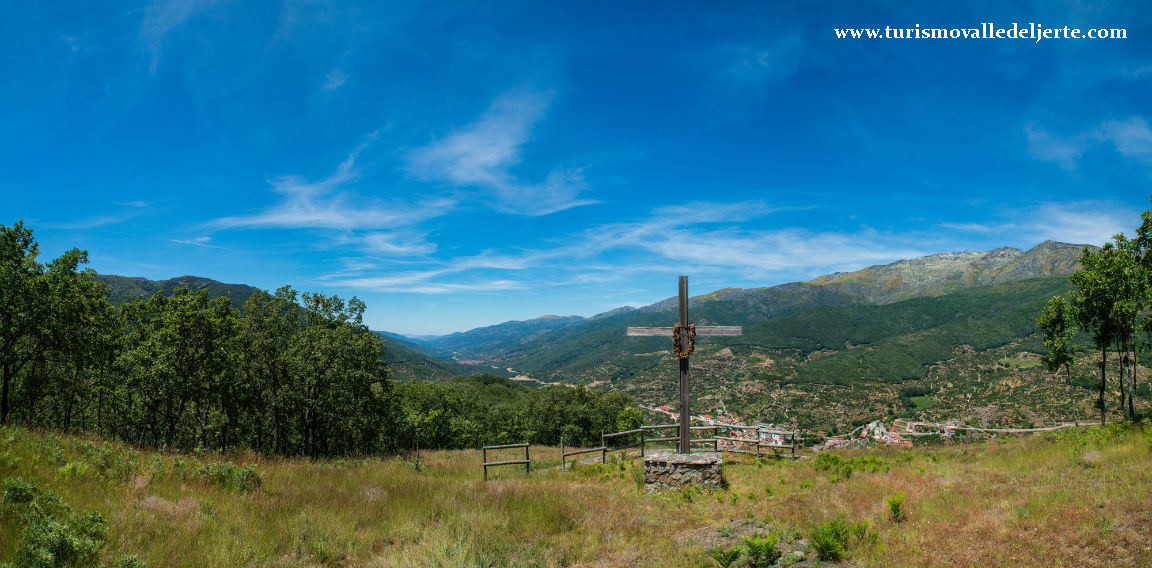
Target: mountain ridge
{"type": "Point", "coordinates": [931, 275]}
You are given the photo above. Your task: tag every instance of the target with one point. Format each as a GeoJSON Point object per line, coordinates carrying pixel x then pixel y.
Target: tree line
{"type": "Point", "coordinates": [1110, 303]}
{"type": "Point", "coordinates": [289, 373]}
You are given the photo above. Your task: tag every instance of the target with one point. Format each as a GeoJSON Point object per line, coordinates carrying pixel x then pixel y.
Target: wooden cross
{"type": "Point", "coordinates": [683, 352]}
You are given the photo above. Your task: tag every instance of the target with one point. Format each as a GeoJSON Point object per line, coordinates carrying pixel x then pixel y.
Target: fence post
{"type": "Point", "coordinates": [562, 457]}
{"type": "Point", "coordinates": [641, 440]}
{"type": "Point", "coordinates": [528, 465]}
{"type": "Point", "coordinates": [603, 454]}
{"type": "Point", "coordinates": [484, 458]}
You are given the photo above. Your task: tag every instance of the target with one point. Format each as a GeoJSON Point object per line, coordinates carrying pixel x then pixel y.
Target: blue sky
{"type": "Point", "coordinates": [458, 164]}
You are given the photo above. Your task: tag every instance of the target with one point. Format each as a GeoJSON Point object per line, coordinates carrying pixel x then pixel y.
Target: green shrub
{"type": "Point", "coordinates": [725, 556]}
{"type": "Point", "coordinates": [762, 549]}
{"type": "Point", "coordinates": [53, 535]}
{"type": "Point", "coordinates": [896, 510]}
{"type": "Point", "coordinates": [756, 552]}
{"type": "Point", "coordinates": [219, 473]}
{"type": "Point", "coordinates": [841, 468]}
{"type": "Point", "coordinates": [831, 539]}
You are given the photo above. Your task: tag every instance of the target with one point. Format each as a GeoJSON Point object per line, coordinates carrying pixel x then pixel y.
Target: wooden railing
{"type": "Point", "coordinates": [604, 449]}
{"type": "Point", "coordinates": [644, 442]}
{"type": "Point", "coordinates": [526, 461]}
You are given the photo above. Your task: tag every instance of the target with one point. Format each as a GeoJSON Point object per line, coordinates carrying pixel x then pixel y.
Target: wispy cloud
{"type": "Point", "coordinates": [758, 64]}
{"type": "Point", "coordinates": [161, 17]}
{"type": "Point", "coordinates": [760, 253]}
{"type": "Point", "coordinates": [697, 236]}
{"type": "Point", "coordinates": [1083, 222]}
{"type": "Point", "coordinates": [325, 204]}
{"type": "Point", "coordinates": [1131, 138]}
{"type": "Point", "coordinates": [1048, 147]}
{"type": "Point", "coordinates": [200, 242]}
{"type": "Point", "coordinates": [97, 221]}
{"type": "Point", "coordinates": [334, 80]}
{"type": "Point", "coordinates": [483, 154]}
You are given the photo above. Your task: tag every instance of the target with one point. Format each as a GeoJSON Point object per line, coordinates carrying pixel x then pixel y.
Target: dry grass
{"type": "Point", "coordinates": [1037, 501]}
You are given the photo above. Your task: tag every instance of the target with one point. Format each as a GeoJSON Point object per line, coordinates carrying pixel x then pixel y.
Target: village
{"type": "Point", "coordinates": [734, 433]}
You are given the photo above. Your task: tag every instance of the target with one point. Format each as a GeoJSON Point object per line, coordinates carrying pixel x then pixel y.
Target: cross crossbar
{"type": "Point", "coordinates": [712, 330]}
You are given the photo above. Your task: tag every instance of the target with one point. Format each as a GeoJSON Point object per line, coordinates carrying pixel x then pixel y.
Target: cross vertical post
{"type": "Point", "coordinates": [685, 413]}
{"type": "Point", "coordinates": [683, 342]}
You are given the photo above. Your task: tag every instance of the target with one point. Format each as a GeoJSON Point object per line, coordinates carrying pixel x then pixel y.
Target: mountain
{"type": "Point", "coordinates": [408, 361]}
{"type": "Point", "coordinates": [122, 289]}
{"type": "Point", "coordinates": [544, 338]}
{"type": "Point", "coordinates": [950, 272]}
{"type": "Point", "coordinates": [830, 351]}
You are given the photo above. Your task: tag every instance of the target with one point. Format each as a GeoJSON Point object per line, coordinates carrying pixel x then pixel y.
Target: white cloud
{"type": "Point", "coordinates": [1132, 138]}
{"type": "Point", "coordinates": [483, 154]}
{"type": "Point", "coordinates": [753, 252]}
{"type": "Point", "coordinates": [160, 19]}
{"type": "Point", "coordinates": [1092, 223]}
{"type": "Point", "coordinates": [322, 204]}
{"type": "Point", "coordinates": [695, 237]}
{"type": "Point", "coordinates": [759, 64]}
{"type": "Point", "coordinates": [334, 80]}
{"type": "Point", "coordinates": [1045, 146]}
{"type": "Point", "coordinates": [1083, 222]}
{"type": "Point", "coordinates": [200, 242]}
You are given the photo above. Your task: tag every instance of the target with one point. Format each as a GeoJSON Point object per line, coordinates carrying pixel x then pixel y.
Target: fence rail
{"type": "Point", "coordinates": [526, 461]}
{"type": "Point", "coordinates": [714, 440]}
{"type": "Point", "coordinates": [564, 454]}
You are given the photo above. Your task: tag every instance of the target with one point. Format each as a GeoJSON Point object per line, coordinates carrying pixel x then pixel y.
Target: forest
{"type": "Point", "coordinates": [289, 373]}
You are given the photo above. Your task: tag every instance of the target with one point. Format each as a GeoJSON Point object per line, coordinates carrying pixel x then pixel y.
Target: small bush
{"type": "Point", "coordinates": [130, 562]}
{"type": "Point", "coordinates": [53, 535]}
{"type": "Point", "coordinates": [841, 468]}
{"type": "Point", "coordinates": [725, 556]}
{"type": "Point", "coordinates": [896, 510]}
{"type": "Point", "coordinates": [762, 549]}
{"type": "Point", "coordinates": [831, 540]}
{"type": "Point", "coordinates": [756, 552]}
{"type": "Point", "coordinates": [219, 473]}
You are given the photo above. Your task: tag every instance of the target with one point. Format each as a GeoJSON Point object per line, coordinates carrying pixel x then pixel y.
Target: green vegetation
{"type": "Point", "coordinates": [755, 552]}
{"type": "Point", "coordinates": [833, 538]}
{"type": "Point", "coordinates": [1034, 501]}
{"type": "Point", "coordinates": [896, 510]}
{"type": "Point", "coordinates": [52, 535]}
{"type": "Point", "coordinates": [1112, 301]}
{"type": "Point", "coordinates": [289, 374]}
{"type": "Point", "coordinates": [1020, 364]}
{"type": "Point", "coordinates": [841, 468]}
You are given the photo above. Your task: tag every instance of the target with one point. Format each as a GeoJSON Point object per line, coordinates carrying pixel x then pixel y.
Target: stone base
{"type": "Point", "coordinates": [666, 470]}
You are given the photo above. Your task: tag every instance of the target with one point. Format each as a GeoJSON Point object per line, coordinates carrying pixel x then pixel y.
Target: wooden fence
{"type": "Point", "coordinates": [645, 441]}
{"type": "Point", "coordinates": [526, 461]}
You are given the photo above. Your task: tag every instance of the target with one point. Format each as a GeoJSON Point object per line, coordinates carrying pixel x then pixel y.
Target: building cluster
{"type": "Point", "coordinates": [877, 432]}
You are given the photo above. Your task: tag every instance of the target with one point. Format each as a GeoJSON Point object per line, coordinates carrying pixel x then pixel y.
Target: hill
{"type": "Point", "coordinates": [827, 353]}
{"type": "Point", "coordinates": [929, 276]}
{"type": "Point", "coordinates": [123, 289]}
{"type": "Point", "coordinates": [406, 359]}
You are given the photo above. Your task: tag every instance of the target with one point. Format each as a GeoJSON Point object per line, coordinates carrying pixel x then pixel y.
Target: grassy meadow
{"type": "Point", "coordinates": [1077, 498]}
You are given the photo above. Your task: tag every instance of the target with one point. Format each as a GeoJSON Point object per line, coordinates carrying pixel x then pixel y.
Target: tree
{"type": "Point", "coordinates": [178, 357]}
{"type": "Point", "coordinates": [47, 317]}
{"type": "Point", "coordinates": [22, 306]}
{"type": "Point", "coordinates": [1094, 302]}
{"type": "Point", "coordinates": [1059, 328]}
